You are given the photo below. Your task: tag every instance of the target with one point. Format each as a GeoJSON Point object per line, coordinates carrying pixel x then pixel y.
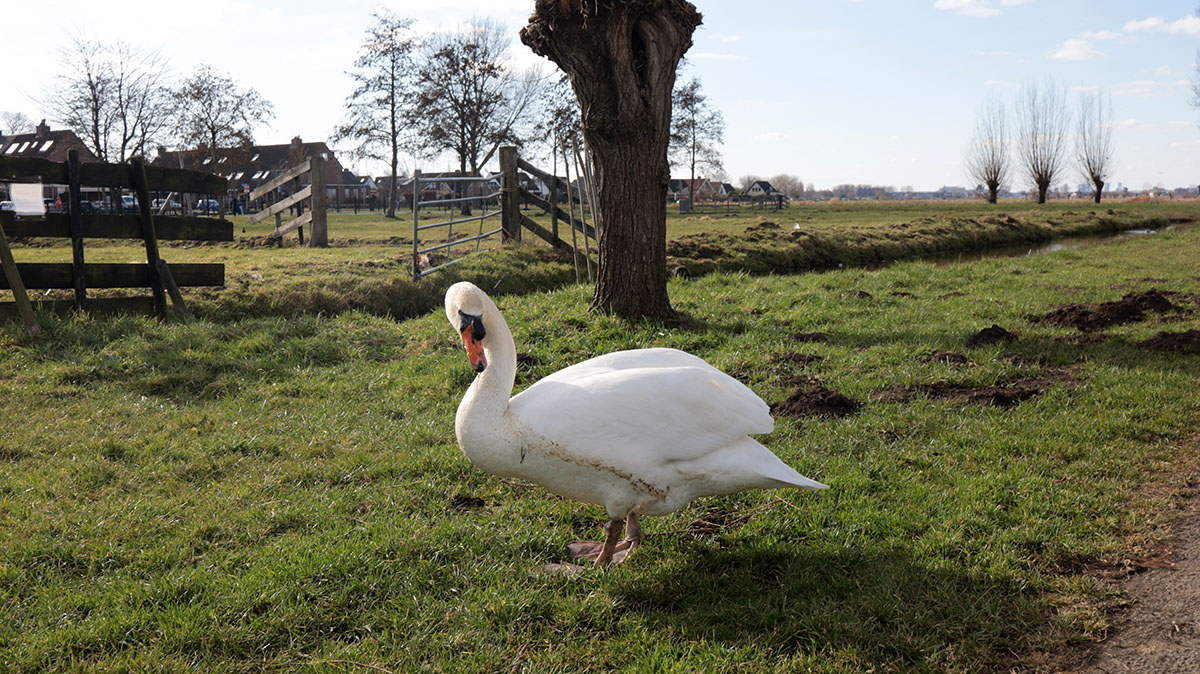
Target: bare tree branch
{"type": "Point", "coordinates": [213, 112]}
{"type": "Point", "coordinates": [697, 130]}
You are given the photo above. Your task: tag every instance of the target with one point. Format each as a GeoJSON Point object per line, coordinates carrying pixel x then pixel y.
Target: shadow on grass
{"type": "Point", "coordinates": [887, 608]}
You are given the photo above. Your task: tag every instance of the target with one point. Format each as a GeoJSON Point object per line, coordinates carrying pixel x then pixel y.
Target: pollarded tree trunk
{"type": "Point", "coordinates": [1099, 188]}
{"type": "Point", "coordinates": [621, 57]}
{"type": "Point", "coordinates": [993, 188]}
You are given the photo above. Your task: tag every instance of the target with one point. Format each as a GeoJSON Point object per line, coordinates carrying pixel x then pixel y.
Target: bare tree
{"type": "Point", "coordinates": [744, 182]}
{"type": "Point", "coordinates": [788, 184]}
{"type": "Point", "coordinates": [213, 112]}
{"type": "Point", "coordinates": [987, 155]}
{"type": "Point", "coordinates": [697, 130]}
{"type": "Point", "coordinates": [113, 97]}
{"type": "Point", "coordinates": [13, 123]}
{"type": "Point", "coordinates": [1042, 126]}
{"type": "Point", "coordinates": [622, 59]}
{"type": "Point", "coordinates": [469, 99]}
{"type": "Point", "coordinates": [1094, 141]}
{"type": "Point", "coordinates": [374, 125]}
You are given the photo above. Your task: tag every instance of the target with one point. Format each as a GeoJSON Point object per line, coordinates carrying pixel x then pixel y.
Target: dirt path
{"type": "Point", "coordinates": [1160, 631]}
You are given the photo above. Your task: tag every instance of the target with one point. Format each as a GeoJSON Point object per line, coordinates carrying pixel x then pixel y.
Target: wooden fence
{"type": "Point", "coordinates": [313, 194]}
{"type": "Point", "coordinates": [74, 224]}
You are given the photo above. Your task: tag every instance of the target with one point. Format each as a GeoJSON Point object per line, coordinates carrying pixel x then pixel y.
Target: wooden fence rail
{"type": "Point", "coordinates": [77, 226]}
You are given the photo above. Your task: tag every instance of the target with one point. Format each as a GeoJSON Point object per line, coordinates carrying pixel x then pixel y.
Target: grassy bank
{"type": "Point", "coordinates": [270, 494]}
{"type": "Point", "coordinates": [369, 264]}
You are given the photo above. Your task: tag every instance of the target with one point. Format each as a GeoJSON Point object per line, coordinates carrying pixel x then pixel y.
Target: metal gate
{"type": "Point", "coordinates": [420, 186]}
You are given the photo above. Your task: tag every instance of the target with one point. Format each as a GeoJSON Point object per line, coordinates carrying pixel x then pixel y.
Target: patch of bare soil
{"type": "Point", "coordinates": [992, 335]}
{"type": "Point", "coordinates": [716, 522]}
{"type": "Point", "coordinates": [465, 502]}
{"type": "Point", "coordinates": [1131, 308]}
{"type": "Point", "coordinates": [1159, 632]}
{"type": "Point", "coordinates": [1187, 342]}
{"type": "Point", "coordinates": [812, 398]}
{"type": "Point", "coordinates": [1007, 395]}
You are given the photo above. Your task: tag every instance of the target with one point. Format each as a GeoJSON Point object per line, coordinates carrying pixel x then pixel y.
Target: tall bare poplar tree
{"type": "Point", "coordinates": [1094, 141]}
{"type": "Point", "coordinates": [374, 125]}
{"type": "Point", "coordinates": [987, 155]}
{"type": "Point", "coordinates": [697, 131]}
{"type": "Point", "coordinates": [622, 58]}
{"type": "Point", "coordinates": [1042, 126]}
{"type": "Point", "coordinates": [12, 123]}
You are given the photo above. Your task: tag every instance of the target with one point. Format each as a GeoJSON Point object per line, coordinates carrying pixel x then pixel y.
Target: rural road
{"type": "Point", "coordinates": [1160, 631]}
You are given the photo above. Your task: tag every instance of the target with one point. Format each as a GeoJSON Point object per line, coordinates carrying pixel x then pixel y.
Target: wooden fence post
{"type": "Point", "coordinates": [17, 286]}
{"type": "Point", "coordinates": [137, 166]}
{"type": "Point", "coordinates": [319, 235]}
{"type": "Point", "coordinates": [75, 203]}
{"type": "Point", "coordinates": [416, 211]}
{"type": "Point", "coordinates": [510, 205]}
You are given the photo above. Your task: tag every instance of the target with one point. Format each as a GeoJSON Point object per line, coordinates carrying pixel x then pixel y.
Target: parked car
{"type": "Point", "coordinates": [207, 205]}
{"type": "Point", "coordinates": [7, 206]}
{"type": "Point", "coordinates": [129, 204]}
{"type": "Point", "coordinates": [53, 205]}
{"type": "Point", "coordinates": [170, 205]}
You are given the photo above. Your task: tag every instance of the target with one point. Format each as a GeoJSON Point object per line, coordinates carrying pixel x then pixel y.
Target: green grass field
{"type": "Point", "coordinates": [283, 492]}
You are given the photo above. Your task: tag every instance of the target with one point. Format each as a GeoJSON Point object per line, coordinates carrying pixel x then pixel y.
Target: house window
{"type": "Point", "coordinates": [23, 146]}
{"type": "Point", "coordinates": [11, 149]}
{"type": "Point", "coordinates": [222, 160]}
{"type": "Point", "coordinates": [46, 145]}
{"type": "Point", "coordinates": [255, 157]}
{"type": "Point", "coordinates": [206, 161]}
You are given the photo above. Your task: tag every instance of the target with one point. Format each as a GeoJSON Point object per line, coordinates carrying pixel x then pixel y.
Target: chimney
{"type": "Point", "coordinates": [42, 129]}
{"type": "Point", "coordinates": [296, 141]}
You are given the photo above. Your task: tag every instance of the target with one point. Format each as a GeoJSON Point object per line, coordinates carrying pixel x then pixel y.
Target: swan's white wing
{"type": "Point", "coordinates": [643, 408]}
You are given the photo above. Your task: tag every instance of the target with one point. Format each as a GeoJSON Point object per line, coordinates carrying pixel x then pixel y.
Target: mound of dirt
{"type": "Point", "coordinates": [811, 398]}
{"type": "Point", "coordinates": [1174, 342]}
{"type": "Point", "coordinates": [1008, 395]}
{"type": "Point", "coordinates": [464, 502]}
{"type": "Point", "coordinates": [716, 522]}
{"type": "Point", "coordinates": [992, 335]}
{"type": "Point", "coordinates": [1095, 317]}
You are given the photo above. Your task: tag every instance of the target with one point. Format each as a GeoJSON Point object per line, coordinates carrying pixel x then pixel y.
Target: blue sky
{"type": "Point", "coordinates": [837, 91]}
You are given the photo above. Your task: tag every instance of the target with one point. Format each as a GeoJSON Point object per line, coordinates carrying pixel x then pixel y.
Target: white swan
{"type": "Point", "coordinates": [641, 432]}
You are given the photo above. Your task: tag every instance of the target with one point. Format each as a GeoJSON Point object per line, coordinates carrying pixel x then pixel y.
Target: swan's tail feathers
{"type": "Point", "coordinates": [801, 482]}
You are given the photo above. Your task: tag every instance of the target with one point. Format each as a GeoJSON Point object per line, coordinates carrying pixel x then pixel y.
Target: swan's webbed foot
{"type": "Point", "coordinates": [611, 551]}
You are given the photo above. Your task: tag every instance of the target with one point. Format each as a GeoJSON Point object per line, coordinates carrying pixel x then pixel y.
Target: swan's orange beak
{"type": "Point", "coordinates": [474, 349]}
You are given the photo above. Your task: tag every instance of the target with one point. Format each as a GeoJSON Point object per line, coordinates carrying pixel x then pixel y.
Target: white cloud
{"type": "Point", "coordinates": [1101, 35]}
{"type": "Point", "coordinates": [1076, 50]}
{"type": "Point", "coordinates": [1150, 88]}
{"type": "Point", "coordinates": [773, 135]}
{"type": "Point", "coordinates": [1189, 25]}
{"type": "Point", "coordinates": [967, 7]}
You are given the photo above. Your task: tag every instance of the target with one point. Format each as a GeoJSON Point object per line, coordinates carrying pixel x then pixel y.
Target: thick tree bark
{"type": "Point", "coordinates": [621, 56]}
{"type": "Point", "coordinates": [993, 191]}
{"type": "Point", "coordinates": [1099, 188]}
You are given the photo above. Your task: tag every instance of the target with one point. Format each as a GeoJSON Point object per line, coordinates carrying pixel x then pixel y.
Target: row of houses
{"type": "Point", "coordinates": [703, 189]}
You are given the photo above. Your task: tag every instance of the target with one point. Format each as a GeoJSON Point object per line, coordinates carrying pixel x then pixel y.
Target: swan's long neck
{"type": "Point", "coordinates": [481, 423]}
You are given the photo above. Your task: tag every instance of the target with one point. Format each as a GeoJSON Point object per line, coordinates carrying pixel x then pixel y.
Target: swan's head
{"type": "Point", "coordinates": [464, 309]}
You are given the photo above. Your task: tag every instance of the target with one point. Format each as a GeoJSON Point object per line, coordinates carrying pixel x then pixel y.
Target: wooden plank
{"type": "Point", "coordinates": [163, 179]}
{"type": "Point", "coordinates": [562, 215]}
{"type": "Point", "coordinates": [32, 170]}
{"type": "Point", "coordinates": [545, 235]}
{"type": "Point", "coordinates": [13, 276]}
{"type": "Point", "coordinates": [281, 206]}
{"type": "Point", "coordinates": [292, 224]}
{"type": "Point", "coordinates": [538, 173]}
{"type": "Point", "coordinates": [294, 172]}
{"type": "Point", "coordinates": [137, 171]}
{"type": "Point", "coordinates": [57, 275]}
{"type": "Point", "coordinates": [75, 217]}
{"type": "Point", "coordinates": [106, 226]}
{"type": "Point", "coordinates": [100, 306]}
{"type": "Point", "coordinates": [99, 174]}
{"type": "Point", "coordinates": [173, 290]}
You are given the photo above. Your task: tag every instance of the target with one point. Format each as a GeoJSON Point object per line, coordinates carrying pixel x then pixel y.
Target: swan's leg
{"type": "Point", "coordinates": [633, 530]}
{"type": "Point", "coordinates": [612, 531]}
